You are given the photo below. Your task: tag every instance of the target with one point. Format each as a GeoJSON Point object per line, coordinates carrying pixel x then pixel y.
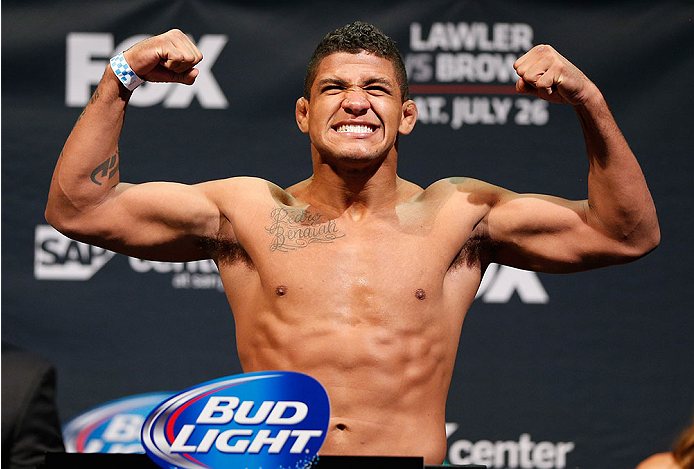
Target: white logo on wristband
{"type": "Point", "coordinates": [124, 73]}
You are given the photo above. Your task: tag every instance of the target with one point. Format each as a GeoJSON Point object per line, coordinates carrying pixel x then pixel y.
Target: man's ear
{"type": "Point", "coordinates": [409, 117]}
{"type": "Point", "coordinates": [301, 114]}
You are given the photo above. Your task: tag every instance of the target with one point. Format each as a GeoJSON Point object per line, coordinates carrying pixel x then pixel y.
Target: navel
{"type": "Point", "coordinates": [281, 290]}
{"type": "Point", "coordinates": [420, 294]}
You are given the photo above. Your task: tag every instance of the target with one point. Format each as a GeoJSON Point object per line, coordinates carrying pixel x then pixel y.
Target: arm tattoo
{"type": "Point", "coordinates": [293, 228]}
{"type": "Point", "coordinates": [107, 168]}
{"type": "Point", "coordinates": [81, 114]}
{"type": "Point", "coordinates": [93, 99]}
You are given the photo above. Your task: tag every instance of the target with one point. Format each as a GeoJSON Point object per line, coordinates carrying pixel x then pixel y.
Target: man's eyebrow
{"type": "Point", "coordinates": [379, 81]}
{"type": "Point", "coordinates": [369, 81]}
{"type": "Point", "coordinates": [331, 81]}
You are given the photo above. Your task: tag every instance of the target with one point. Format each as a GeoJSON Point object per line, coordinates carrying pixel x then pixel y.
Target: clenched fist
{"type": "Point", "coordinates": [168, 57]}
{"type": "Point", "coordinates": [548, 75]}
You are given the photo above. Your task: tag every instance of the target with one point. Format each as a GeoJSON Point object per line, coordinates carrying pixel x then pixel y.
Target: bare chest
{"type": "Point", "coordinates": [359, 265]}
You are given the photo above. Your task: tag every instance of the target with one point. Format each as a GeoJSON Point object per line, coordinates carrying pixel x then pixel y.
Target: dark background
{"type": "Point", "coordinates": [605, 363]}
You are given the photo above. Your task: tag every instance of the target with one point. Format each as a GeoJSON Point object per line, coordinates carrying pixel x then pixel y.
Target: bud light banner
{"type": "Point", "coordinates": [258, 420]}
{"type": "Point", "coordinates": [113, 427]}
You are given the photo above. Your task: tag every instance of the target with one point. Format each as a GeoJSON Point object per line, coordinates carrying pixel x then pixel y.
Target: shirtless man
{"type": "Point", "coordinates": [355, 276]}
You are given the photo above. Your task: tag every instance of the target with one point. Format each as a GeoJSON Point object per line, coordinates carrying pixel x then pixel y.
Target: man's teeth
{"type": "Point", "coordinates": [360, 129]}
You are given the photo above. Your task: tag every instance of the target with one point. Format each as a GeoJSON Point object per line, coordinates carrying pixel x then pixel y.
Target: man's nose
{"type": "Point", "coordinates": [356, 102]}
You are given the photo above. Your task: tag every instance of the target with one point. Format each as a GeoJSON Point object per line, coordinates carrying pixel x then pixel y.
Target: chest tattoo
{"type": "Point", "coordinates": [293, 228]}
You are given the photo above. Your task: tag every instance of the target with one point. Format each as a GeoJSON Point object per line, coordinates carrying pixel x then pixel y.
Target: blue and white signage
{"type": "Point", "coordinates": [113, 427]}
{"type": "Point", "coordinates": [267, 420]}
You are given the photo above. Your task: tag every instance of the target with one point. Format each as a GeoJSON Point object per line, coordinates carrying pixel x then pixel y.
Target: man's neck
{"type": "Point", "coordinates": [354, 189]}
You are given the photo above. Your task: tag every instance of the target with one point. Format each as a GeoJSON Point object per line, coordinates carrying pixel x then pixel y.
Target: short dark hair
{"type": "Point", "coordinates": [355, 38]}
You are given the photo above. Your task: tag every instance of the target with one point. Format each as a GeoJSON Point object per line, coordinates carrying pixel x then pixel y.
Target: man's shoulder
{"type": "Point", "coordinates": [473, 190]}
{"type": "Point", "coordinates": [659, 461]}
{"type": "Point", "coordinates": [460, 183]}
{"type": "Point", "coordinates": [244, 188]}
{"type": "Point", "coordinates": [241, 182]}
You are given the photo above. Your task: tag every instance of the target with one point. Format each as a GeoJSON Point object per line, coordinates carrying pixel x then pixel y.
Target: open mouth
{"type": "Point", "coordinates": [356, 128]}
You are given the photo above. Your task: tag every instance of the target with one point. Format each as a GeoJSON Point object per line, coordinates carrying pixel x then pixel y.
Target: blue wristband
{"type": "Point", "coordinates": [124, 73]}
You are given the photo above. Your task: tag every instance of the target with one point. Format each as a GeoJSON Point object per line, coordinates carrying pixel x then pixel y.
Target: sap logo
{"type": "Point", "coordinates": [113, 427]}
{"type": "Point", "coordinates": [523, 453]}
{"type": "Point", "coordinates": [256, 420]}
{"type": "Point", "coordinates": [57, 257]}
{"type": "Point", "coordinates": [500, 282]}
{"type": "Point", "coordinates": [88, 54]}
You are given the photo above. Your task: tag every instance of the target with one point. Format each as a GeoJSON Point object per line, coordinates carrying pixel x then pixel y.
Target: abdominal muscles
{"type": "Point", "coordinates": [386, 373]}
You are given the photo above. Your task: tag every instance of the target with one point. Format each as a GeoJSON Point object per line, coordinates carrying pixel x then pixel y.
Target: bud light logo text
{"type": "Point", "coordinates": [113, 427]}
{"type": "Point", "coordinates": [267, 420]}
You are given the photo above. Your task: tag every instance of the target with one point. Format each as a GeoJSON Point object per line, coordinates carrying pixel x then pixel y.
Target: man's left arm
{"type": "Point", "coordinates": [616, 224]}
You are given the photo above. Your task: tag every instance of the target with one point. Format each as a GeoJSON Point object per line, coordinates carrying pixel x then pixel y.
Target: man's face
{"type": "Point", "coordinates": [355, 112]}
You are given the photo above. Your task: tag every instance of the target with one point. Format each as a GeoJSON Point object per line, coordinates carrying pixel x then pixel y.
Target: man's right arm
{"type": "Point", "coordinates": [88, 202]}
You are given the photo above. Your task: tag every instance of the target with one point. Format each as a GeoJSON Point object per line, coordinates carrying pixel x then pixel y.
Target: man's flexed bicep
{"type": "Point", "coordinates": [155, 220]}
{"type": "Point", "coordinates": [551, 234]}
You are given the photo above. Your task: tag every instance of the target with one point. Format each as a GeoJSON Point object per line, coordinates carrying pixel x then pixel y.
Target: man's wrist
{"type": "Point", "coordinates": [127, 77]}
{"type": "Point", "coordinates": [591, 98]}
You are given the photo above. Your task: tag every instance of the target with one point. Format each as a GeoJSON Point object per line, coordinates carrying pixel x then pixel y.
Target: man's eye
{"type": "Point", "coordinates": [377, 90]}
{"type": "Point", "coordinates": [332, 88]}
